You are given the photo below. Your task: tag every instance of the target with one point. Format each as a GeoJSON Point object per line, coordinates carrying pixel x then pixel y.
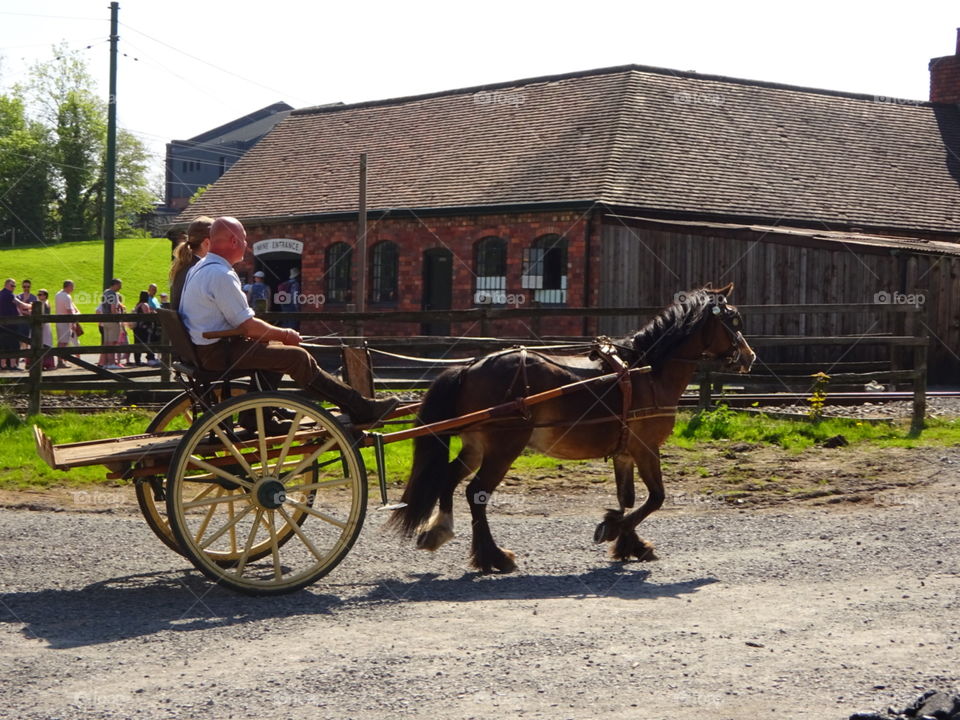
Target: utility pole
{"type": "Point", "coordinates": [109, 210]}
{"type": "Point", "coordinates": [362, 238]}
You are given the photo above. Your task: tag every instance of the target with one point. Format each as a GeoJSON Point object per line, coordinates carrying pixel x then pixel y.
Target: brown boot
{"type": "Point", "coordinates": [361, 410]}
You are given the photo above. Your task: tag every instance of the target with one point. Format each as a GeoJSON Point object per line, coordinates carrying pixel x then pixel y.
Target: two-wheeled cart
{"type": "Point", "coordinates": [264, 492]}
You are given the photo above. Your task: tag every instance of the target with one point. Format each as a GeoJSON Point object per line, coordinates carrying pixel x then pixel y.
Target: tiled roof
{"type": "Point", "coordinates": [646, 138]}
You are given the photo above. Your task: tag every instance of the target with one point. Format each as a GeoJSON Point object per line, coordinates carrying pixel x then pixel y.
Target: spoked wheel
{"type": "Point", "coordinates": [285, 502]}
{"type": "Point", "coordinates": [175, 415]}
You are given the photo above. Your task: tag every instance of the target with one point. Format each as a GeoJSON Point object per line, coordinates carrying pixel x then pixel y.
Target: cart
{"type": "Point", "coordinates": [265, 492]}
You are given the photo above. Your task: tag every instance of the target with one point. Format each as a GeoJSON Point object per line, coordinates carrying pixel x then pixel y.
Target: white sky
{"type": "Point", "coordinates": [246, 55]}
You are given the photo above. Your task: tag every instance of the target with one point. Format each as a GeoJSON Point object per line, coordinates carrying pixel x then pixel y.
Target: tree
{"type": "Point", "coordinates": [25, 190]}
{"type": "Point", "coordinates": [63, 94]}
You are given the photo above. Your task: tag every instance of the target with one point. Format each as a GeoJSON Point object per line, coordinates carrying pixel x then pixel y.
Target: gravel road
{"type": "Point", "coordinates": [796, 611]}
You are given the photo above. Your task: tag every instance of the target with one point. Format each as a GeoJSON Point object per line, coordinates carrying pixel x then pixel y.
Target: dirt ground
{"type": "Point", "coordinates": [832, 585]}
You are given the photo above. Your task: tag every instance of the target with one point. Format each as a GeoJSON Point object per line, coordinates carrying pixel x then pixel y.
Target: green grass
{"type": "Point", "coordinates": [137, 261]}
{"type": "Point", "coordinates": [726, 424]}
{"type": "Point", "coordinates": [20, 468]}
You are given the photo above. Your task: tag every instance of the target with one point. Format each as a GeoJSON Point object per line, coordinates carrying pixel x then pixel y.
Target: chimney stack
{"type": "Point", "coordinates": [945, 77]}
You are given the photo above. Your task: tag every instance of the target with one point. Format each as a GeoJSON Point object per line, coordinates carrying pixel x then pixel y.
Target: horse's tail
{"type": "Point", "coordinates": [431, 455]}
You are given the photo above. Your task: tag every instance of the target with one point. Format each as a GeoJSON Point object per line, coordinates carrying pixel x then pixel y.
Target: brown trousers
{"type": "Point", "coordinates": [238, 353]}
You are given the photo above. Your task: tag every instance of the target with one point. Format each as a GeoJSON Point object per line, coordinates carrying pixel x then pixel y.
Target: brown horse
{"type": "Point", "coordinates": [585, 424]}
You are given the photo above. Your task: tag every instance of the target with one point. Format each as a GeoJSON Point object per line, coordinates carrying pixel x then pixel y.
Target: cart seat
{"type": "Point", "coordinates": [187, 362]}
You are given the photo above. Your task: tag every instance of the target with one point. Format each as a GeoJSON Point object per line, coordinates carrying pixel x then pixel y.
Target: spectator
{"type": "Point", "coordinates": [68, 333]}
{"type": "Point", "coordinates": [123, 340]}
{"type": "Point", "coordinates": [110, 305]}
{"type": "Point", "coordinates": [49, 361]}
{"type": "Point", "coordinates": [288, 297]}
{"type": "Point", "coordinates": [143, 331]}
{"type": "Point", "coordinates": [259, 296]}
{"type": "Point", "coordinates": [29, 298]}
{"type": "Point", "coordinates": [10, 338]}
{"type": "Point", "coordinates": [153, 300]}
{"type": "Point", "coordinates": [165, 301]}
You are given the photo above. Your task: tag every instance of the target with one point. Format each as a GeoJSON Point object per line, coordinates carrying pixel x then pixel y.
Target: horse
{"type": "Point", "coordinates": [589, 423]}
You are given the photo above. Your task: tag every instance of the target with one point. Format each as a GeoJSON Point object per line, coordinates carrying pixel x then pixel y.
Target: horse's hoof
{"type": "Point", "coordinates": [508, 563]}
{"type": "Point", "coordinates": [609, 527]}
{"type": "Point", "coordinates": [644, 551]}
{"type": "Point", "coordinates": [434, 538]}
{"type": "Point", "coordinates": [604, 533]}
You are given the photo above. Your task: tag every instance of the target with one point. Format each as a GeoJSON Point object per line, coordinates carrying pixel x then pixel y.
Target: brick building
{"type": "Point", "coordinates": [612, 187]}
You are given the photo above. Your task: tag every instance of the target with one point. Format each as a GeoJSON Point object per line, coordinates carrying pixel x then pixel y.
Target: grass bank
{"type": "Point", "coordinates": [137, 261]}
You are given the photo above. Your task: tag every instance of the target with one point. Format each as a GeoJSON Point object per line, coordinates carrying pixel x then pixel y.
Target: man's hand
{"type": "Point", "coordinates": [290, 337]}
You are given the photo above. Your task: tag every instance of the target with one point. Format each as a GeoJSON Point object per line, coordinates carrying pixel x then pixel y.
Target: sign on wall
{"type": "Point", "coordinates": [272, 245]}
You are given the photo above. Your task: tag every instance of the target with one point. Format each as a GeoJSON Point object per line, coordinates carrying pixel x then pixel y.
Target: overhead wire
{"type": "Point", "coordinates": [206, 62]}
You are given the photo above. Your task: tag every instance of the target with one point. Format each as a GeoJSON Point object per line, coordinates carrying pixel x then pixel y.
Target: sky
{"type": "Point", "coordinates": [188, 66]}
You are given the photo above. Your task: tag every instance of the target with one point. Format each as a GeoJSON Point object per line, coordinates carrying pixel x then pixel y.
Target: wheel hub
{"type": "Point", "coordinates": [271, 493]}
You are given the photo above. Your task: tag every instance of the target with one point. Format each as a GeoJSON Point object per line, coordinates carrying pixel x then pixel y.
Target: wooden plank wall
{"type": "Point", "coordinates": [643, 267]}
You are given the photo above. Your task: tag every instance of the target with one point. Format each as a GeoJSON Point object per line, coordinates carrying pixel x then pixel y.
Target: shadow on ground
{"type": "Point", "coordinates": [144, 604]}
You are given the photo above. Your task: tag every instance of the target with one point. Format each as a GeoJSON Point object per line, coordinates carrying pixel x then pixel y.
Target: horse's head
{"type": "Point", "coordinates": [723, 336]}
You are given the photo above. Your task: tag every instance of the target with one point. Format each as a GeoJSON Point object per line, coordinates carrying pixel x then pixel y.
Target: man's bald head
{"type": "Point", "coordinates": [228, 239]}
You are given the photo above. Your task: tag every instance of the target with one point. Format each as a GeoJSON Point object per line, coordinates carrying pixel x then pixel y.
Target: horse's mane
{"type": "Point", "coordinates": [659, 338]}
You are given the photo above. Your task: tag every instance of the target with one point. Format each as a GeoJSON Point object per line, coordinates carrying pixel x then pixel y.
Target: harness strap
{"type": "Point", "coordinates": [608, 353]}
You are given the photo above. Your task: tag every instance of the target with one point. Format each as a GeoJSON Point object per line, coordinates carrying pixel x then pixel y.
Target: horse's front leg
{"type": "Point", "coordinates": [627, 543]}
{"type": "Point", "coordinates": [609, 527]}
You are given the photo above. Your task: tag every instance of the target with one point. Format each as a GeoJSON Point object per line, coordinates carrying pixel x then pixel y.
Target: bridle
{"type": "Point", "coordinates": [730, 320]}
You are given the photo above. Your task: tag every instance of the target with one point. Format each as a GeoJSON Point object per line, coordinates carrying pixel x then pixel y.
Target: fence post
{"type": "Point", "coordinates": [706, 383]}
{"type": "Point", "coordinates": [36, 357]}
{"type": "Point", "coordinates": [919, 369]}
{"type": "Point", "coordinates": [166, 358]}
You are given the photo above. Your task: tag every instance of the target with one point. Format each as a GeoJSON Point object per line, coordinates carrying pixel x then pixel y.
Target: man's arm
{"type": "Point", "coordinates": [256, 329]}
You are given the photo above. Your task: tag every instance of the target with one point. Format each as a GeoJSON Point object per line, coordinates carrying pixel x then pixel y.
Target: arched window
{"type": "Point", "coordinates": [490, 268]}
{"type": "Point", "coordinates": [339, 285]}
{"type": "Point", "coordinates": [545, 269]}
{"type": "Point", "coordinates": [384, 270]}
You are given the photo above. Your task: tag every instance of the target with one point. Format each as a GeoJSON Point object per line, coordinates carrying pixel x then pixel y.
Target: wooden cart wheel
{"type": "Point", "coordinates": [175, 415]}
{"type": "Point", "coordinates": [233, 492]}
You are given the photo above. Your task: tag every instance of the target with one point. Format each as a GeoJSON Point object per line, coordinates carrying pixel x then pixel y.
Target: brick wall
{"type": "Point", "coordinates": [945, 77]}
{"type": "Point", "coordinates": [458, 234]}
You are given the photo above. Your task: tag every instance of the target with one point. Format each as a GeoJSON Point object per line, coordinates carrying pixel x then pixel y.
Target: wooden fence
{"type": "Point", "coordinates": [905, 350]}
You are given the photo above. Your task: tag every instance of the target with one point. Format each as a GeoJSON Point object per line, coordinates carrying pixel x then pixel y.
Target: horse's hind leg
{"type": "Point", "coordinates": [623, 473]}
{"type": "Point", "coordinates": [609, 527]}
{"type": "Point", "coordinates": [628, 544]}
{"type": "Point", "coordinates": [439, 528]}
{"type": "Point", "coordinates": [501, 450]}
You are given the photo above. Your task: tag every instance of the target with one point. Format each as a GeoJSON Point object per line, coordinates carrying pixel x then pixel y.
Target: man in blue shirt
{"type": "Point", "coordinates": [212, 300]}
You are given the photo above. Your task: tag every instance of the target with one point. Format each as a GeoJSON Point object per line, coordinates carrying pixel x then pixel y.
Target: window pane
{"type": "Point", "coordinates": [339, 258]}
{"type": "Point", "coordinates": [491, 271]}
{"type": "Point", "coordinates": [545, 269]}
{"type": "Point", "coordinates": [384, 271]}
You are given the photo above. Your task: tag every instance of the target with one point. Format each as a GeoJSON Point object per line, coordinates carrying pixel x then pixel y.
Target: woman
{"type": "Point", "coordinates": [49, 361]}
{"type": "Point", "coordinates": [187, 254]}
{"type": "Point", "coordinates": [142, 330]}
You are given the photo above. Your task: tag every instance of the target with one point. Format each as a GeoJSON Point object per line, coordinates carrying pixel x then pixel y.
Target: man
{"type": "Point", "coordinates": [10, 337]}
{"type": "Point", "coordinates": [288, 297]}
{"type": "Point", "coordinates": [152, 297]}
{"type": "Point", "coordinates": [212, 300]}
{"type": "Point", "coordinates": [66, 331]}
{"type": "Point", "coordinates": [259, 293]}
{"type": "Point", "coordinates": [110, 305]}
